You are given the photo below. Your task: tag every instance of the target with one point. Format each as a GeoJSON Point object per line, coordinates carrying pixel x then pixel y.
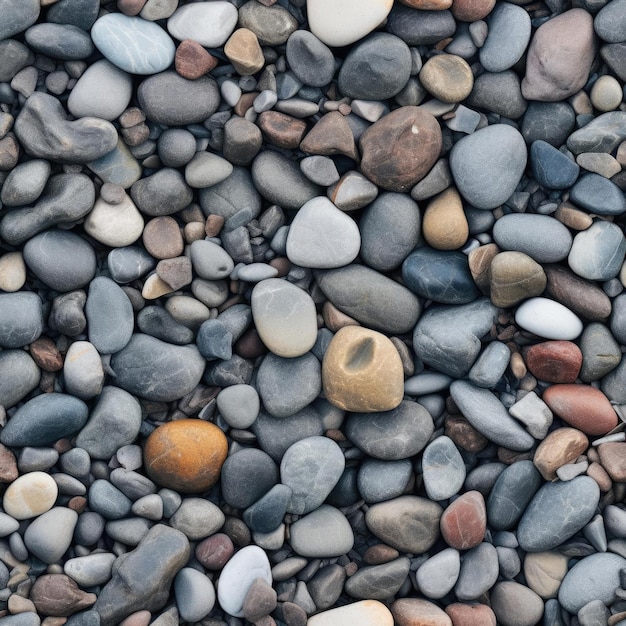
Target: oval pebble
{"type": "Point", "coordinates": [30, 495]}
{"type": "Point", "coordinates": [549, 319]}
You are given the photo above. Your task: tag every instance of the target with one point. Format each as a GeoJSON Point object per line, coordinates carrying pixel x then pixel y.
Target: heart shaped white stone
{"type": "Point", "coordinates": [342, 22]}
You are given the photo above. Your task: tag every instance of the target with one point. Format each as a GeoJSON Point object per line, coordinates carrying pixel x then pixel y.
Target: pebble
{"type": "Point", "coordinates": [515, 277]}
{"type": "Point", "coordinates": [197, 518]}
{"type": "Point", "coordinates": [272, 25]}
{"type": "Point", "coordinates": [25, 183]}
{"type": "Point", "coordinates": [186, 455]}
{"type": "Point", "coordinates": [133, 44]}
{"type": "Point", "coordinates": [443, 469]}
{"type": "Point", "coordinates": [195, 594]}
{"type": "Point", "coordinates": [91, 570]}
{"type": "Point", "coordinates": [310, 59]}
{"type": "Point", "coordinates": [30, 495]}
{"type": "Point", "coordinates": [378, 581]}
{"type": "Point", "coordinates": [322, 237]}
{"type": "Point", "coordinates": [438, 575]}
{"type": "Point", "coordinates": [606, 94]}
{"type": "Point", "coordinates": [607, 23]}
{"type": "Point", "coordinates": [48, 588]}
{"type": "Point", "coordinates": [82, 370]}
{"type": "Point", "coordinates": [515, 604]}
{"type": "Point", "coordinates": [555, 361]}
{"type": "Point", "coordinates": [611, 455]}
{"type": "Point", "coordinates": [383, 480]}
{"type": "Point", "coordinates": [549, 319]}
{"type": "Point", "coordinates": [557, 512]}
{"type": "Point", "coordinates": [116, 225]}
{"type": "Point", "coordinates": [362, 371]}
{"type": "Point", "coordinates": [447, 77]}
{"type": "Point", "coordinates": [49, 536]}
{"type": "Point", "coordinates": [19, 375]}
{"type": "Point", "coordinates": [210, 25]}
{"type": "Point", "coordinates": [444, 225]}
{"type": "Point", "coordinates": [479, 572]}
{"type": "Point", "coordinates": [544, 572]}
{"type": "Point", "coordinates": [484, 151]}
{"type": "Point", "coordinates": [364, 612]}
{"type": "Point", "coordinates": [325, 532]}
{"type": "Point", "coordinates": [464, 522]}
{"type": "Point", "coordinates": [507, 38]}
{"type": "Point", "coordinates": [551, 167]}
{"type": "Point", "coordinates": [561, 446]}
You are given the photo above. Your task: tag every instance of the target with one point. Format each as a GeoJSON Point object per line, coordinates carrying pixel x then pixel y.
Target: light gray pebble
{"type": "Point", "coordinates": [323, 533]}
{"type": "Point", "coordinates": [150, 507]}
{"type": "Point", "coordinates": [108, 500]}
{"type": "Point", "coordinates": [128, 531]}
{"type": "Point", "coordinates": [197, 518]}
{"type": "Point", "coordinates": [91, 570]}
{"type": "Point", "coordinates": [438, 575]}
{"type": "Point", "coordinates": [19, 375]}
{"type": "Point", "coordinates": [382, 480]}
{"type": "Point", "coordinates": [50, 535]}
{"type": "Point", "coordinates": [378, 582]}
{"type": "Point", "coordinates": [443, 469]}
{"type": "Point", "coordinates": [479, 572]}
{"type": "Point", "coordinates": [194, 593]}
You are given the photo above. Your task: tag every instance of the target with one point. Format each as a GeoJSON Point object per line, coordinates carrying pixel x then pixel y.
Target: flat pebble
{"type": "Point", "coordinates": [549, 319]}
{"type": "Point", "coordinates": [49, 536]}
{"type": "Point", "coordinates": [443, 469]}
{"type": "Point", "coordinates": [438, 575]}
{"type": "Point", "coordinates": [325, 532]}
{"type": "Point", "coordinates": [365, 612]}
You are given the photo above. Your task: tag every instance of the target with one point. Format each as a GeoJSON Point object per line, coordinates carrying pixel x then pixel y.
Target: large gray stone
{"type": "Point", "coordinates": [17, 15]}
{"type": "Point", "coordinates": [19, 375]}
{"type": "Point", "coordinates": [21, 319]}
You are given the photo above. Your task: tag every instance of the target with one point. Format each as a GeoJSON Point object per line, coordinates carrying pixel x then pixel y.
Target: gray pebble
{"type": "Point", "coordinates": [65, 42]}
{"type": "Point", "coordinates": [25, 183]}
{"type": "Point", "coordinates": [50, 535]}
{"type": "Point", "coordinates": [602, 134]}
{"type": "Point", "coordinates": [438, 575]}
{"type": "Point", "coordinates": [601, 355]}
{"type": "Point", "coordinates": [383, 480]}
{"type": "Point", "coordinates": [378, 582]}
{"type": "Point", "coordinates": [309, 59]}
{"type": "Point", "coordinates": [609, 22]}
{"type": "Point", "coordinates": [162, 193]}
{"type": "Point", "coordinates": [19, 375]}
{"type": "Point", "coordinates": [320, 170]}
{"type": "Point", "coordinates": [91, 570]}
{"type": "Point", "coordinates": [18, 15]}
{"type": "Point", "coordinates": [507, 39]}
{"type": "Point", "coordinates": [197, 518]}
{"type": "Point", "coordinates": [479, 572]}
{"type": "Point", "coordinates": [158, 322]}
{"type": "Point", "coordinates": [129, 263]}
{"type": "Point", "coordinates": [195, 594]}
{"type": "Point", "coordinates": [267, 513]}
{"type": "Point", "coordinates": [443, 469]}
{"type": "Point", "coordinates": [498, 92]}
{"type": "Point", "coordinates": [246, 476]}
{"type": "Point", "coordinates": [549, 121]}
{"type": "Point", "coordinates": [324, 533]}
{"type": "Point", "coordinates": [598, 252]}
{"type": "Point", "coordinates": [490, 366]}
{"type": "Point", "coordinates": [599, 195]}
{"type": "Point", "coordinates": [420, 28]}
{"type": "Point", "coordinates": [108, 500]}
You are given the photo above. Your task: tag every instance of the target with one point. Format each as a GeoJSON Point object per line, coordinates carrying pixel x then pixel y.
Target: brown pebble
{"type": "Point", "coordinates": [330, 135]}
{"type": "Point", "coordinates": [131, 117]}
{"type": "Point", "coordinates": [572, 217]}
{"type": "Point", "coordinates": [613, 459]}
{"type": "Point", "coordinates": [351, 569]}
{"type": "Point", "coordinates": [444, 225]}
{"type": "Point", "coordinates": [58, 595]}
{"type": "Point", "coordinates": [237, 530]}
{"type": "Point", "coordinates": [464, 434]}
{"type": "Point", "coordinates": [77, 503]}
{"type": "Point", "coordinates": [162, 238]}
{"type": "Point", "coordinates": [54, 621]}
{"type": "Point", "coordinates": [249, 345]}
{"type": "Point", "coordinates": [281, 130]}
{"type": "Point", "coordinates": [215, 551]}
{"type": "Point", "coordinates": [464, 522]}
{"type": "Point", "coordinates": [508, 457]}
{"type": "Point", "coordinates": [186, 455]}
{"type": "Point", "coordinates": [259, 601]}
{"type": "Point", "coordinates": [194, 231]}
{"type": "Point", "coordinates": [479, 260]}
{"type": "Point", "coordinates": [46, 355]}
{"type": "Point", "coordinates": [561, 446]}
{"type": "Point", "coordinates": [130, 7]}
{"type": "Point", "coordinates": [213, 225]}
{"type": "Point", "coordinates": [243, 50]}
{"type": "Point", "coordinates": [517, 365]}
{"type": "Point", "coordinates": [245, 102]}
{"type": "Point", "coordinates": [175, 272]}
{"type": "Point", "coordinates": [8, 465]}
{"type": "Point", "coordinates": [472, 10]}
{"type": "Point", "coordinates": [417, 612]}
{"type": "Point", "coordinates": [335, 319]}
{"type": "Point", "coordinates": [463, 614]}
{"type": "Point", "coordinates": [136, 135]}
{"type": "Point", "coordinates": [447, 77]}
{"type": "Point", "coordinates": [139, 618]}
{"type": "Point", "coordinates": [380, 553]}
{"type": "Point", "coordinates": [599, 474]}
{"type": "Point", "coordinates": [9, 152]}
{"type": "Point", "coordinates": [428, 5]}
{"type": "Point", "coordinates": [555, 361]}
{"type": "Point", "coordinates": [192, 61]}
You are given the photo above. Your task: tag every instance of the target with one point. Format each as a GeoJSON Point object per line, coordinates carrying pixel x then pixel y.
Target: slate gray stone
{"type": "Point", "coordinates": [486, 413]}
{"type": "Point", "coordinates": [371, 298]}
{"type": "Point", "coordinates": [439, 275]}
{"type": "Point", "coordinates": [601, 355]}
{"type": "Point", "coordinates": [618, 318]}
{"type": "Point", "coordinates": [598, 252]}
{"type": "Point", "coordinates": [14, 56]}
{"type": "Point", "coordinates": [602, 134]}
{"type": "Point", "coordinates": [267, 513]}
{"type": "Point", "coordinates": [19, 375]}
{"type": "Point", "coordinates": [609, 23]}
{"type": "Point", "coordinates": [110, 317]}
{"type": "Point", "coordinates": [108, 500]}
{"type": "Point", "coordinates": [133, 44]}
{"type": "Point", "coordinates": [21, 319]}
{"type": "Point", "coordinates": [391, 435]}
{"type": "Point", "coordinates": [247, 476]}
{"type": "Point", "coordinates": [44, 132]}
{"type": "Point", "coordinates": [65, 42]}
{"type": "Point", "coordinates": [231, 196]}
{"type": "Point", "coordinates": [551, 167]}
{"type": "Point", "coordinates": [25, 183]}
{"type": "Point", "coordinates": [326, 585]}
{"type": "Point", "coordinates": [491, 365]}
{"type": "Point", "coordinates": [50, 535]}
{"type": "Point", "coordinates": [556, 512]}
{"type": "Point", "coordinates": [376, 68]}
{"type": "Point", "coordinates": [598, 194]}
{"type": "Point", "coordinates": [197, 518]}
{"type": "Point", "coordinates": [143, 577]}
{"type": "Point", "coordinates": [81, 13]}
{"type": "Point", "coordinates": [383, 480]}
{"type": "Point", "coordinates": [323, 533]}
{"type": "Point", "coordinates": [311, 467]}
{"type": "Point", "coordinates": [235, 371]}
{"type": "Point", "coordinates": [22, 619]}
{"type": "Point", "coordinates": [67, 315]}
{"type": "Point", "coordinates": [418, 28]}
{"type": "Point", "coordinates": [61, 259]}
{"type": "Point", "coordinates": [549, 121]}
{"type": "Point", "coordinates": [214, 341]}
{"type": "Point", "coordinates": [18, 15]}
{"type": "Point", "coordinates": [195, 594]}
{"type": "Point", "coordinates": [288, 385]}
{"type": "Point", "coordinates": [44, 419]}
{"type": "Point", "coordinates": [614, 55]}
{"type": "Point", "coordinates": [507, 38]}
{"type": "Point", "coordinates": [541, 237]}
{"type": "Point", "coordinates": [479, 572]}
{"type": "Point", "coordinates": [163, 193]}
{"type": "Point", "coordinates": [156, 370]}
{"type": "Point", "coordinates": [513, 490]}
{"type": "Point", "coordinates": [499, 93]}
{"type": "Point", "coordinates": [378, 582]}
{"type": "Point", "coordinates": [447, 337]}
{"type": "Point", "coordinates": [310, 59]}
{"type": "Point", "coordinates": [443, 469]}
{"type": "Point", "coordinates": [158, 322]}
{"type": "Point", "coordinates": [488, 165]}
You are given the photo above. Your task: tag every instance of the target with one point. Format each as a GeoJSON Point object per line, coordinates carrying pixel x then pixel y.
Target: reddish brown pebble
{"type": "Point", "coordinates": [598, 473]}
{"type": "Point", "coordinates": [250, 346]}
{"type": "Point", "coordinates": [428, 5]}
{"type": "Point", "coordinates": [282, 264]}
{"type": "Point", "coordinates": [162, 238]}
{"type": "Point", "coordinates": [139, 618]}
{"type": "Point", "coordinates": [464, 522]}
{"type": "Point", "coordinates": [331, 135]}
{"type": "Point", "coordinates": [472, 10]}
{"type": "Point", "coordinates": [470, 614]}
{"type": "Point", "coordinates": [555, 361]}
{"type": "Point", "coordinates": [398, 150]}
{"type": "Point", "coordinates": [380, 553]}
{"type": "Point", "coordinates": [215, 551]}
{"type": "Point", "coordinates": [175, 272]}
{"type": "Point", "coordinates": [281, 130]}
{"type": "Point", "coordinates": [213, 225]}
{"type": "Point", "coordinates": [561, 446]}
{"type": "Point", "coordinates": [8, 465]}
{"type": "Point", "coordinates": [58, 595]}
{"type": "Point", "coordinates": [464, 434]}
{"type": "Point", "coordinates": [613, 459]}
{"type": "Point", "coordinates": [130, 7]}
{"type": "Point", "coordinates": [479, 261]}
{"type": "Point", "coordinates": [416, 612]}
{"type": "Point", "coordinates": [245, 103]}
{"type": "Point", "coordinates": [186, 455]}
{"type": "Point", "coordinates": [192, 61]}
{"type": "Point", "coordinates": [582, 406]}
{"type": "Point", "coordinates": [46, 355]}
{"type": "Point", "coordinates": [78, 504]}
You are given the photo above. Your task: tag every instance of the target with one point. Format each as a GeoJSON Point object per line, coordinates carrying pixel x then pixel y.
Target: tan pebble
{"type": "Point", "coordinates": [186, 455]}
{"type": "Point", "coordinates": [479, 260]}
{"type": "Point", "coordinates": [363, 613]}
{"type": "Point", "coordinates": [245, 102]}
{"type": "Point", "coordinates": [154, 287]}
{"type": "Point", "coordinates": [193, 231]}
{"type": "Point", "coordinates": [599, 163]}
{"type": "Point", "coordinates": [417, 612]}
{"type": "Point", "coordinates": [162, 238]}
{"type": "Point", "coordinates": [213, 225]}
{"type": "Point", "coordinates": [517, 365]}
{"type": "Point", "coordinates": [581, 103]}
{"type": "Point", "coordinates": [30, 495]}
{"type": "Point", "coordinates": [12, 272]}
{"type": "Point", "coordinates": [114, 225]}
{"type": "Point", "coordinates": [448, 77]}
{"type": "Point", "coordinates": [515, 277]}
{"type": "Point", "coordinates": [335, 319]}
{"type": "Point", "coordinates": [616, 619]}
{"type": "Point", "coordinates": [428, 5]}
{"type": "Point", "coordinates": [573, 218]}
{"type": "Point", "coordinates": [139, 618]}
{"type": "Point", "coordinates": [613, 459]}
{"type": "Point", "coordinates": [561, 446]}
{"type": "Point", "coordinates": [362, 371]}
{"type": "Point", "coordinates": [54, 621]}
{"type": "Point", "coordinates": [599, 474]}
{"type": "Point", "coordinates": [244, 52]}
{"type": "Point", "coordinates": [17, 604]}
{"type": "Point", "coordinates": [444, 225]}
{"type": "Point", "coordinates": [544, 572]}
{"type": "Point", "coordinates": [606, 93]}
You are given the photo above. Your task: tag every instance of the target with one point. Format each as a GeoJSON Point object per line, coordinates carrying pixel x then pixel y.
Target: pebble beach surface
{"type": "Point", "coordinates": [312, 312]}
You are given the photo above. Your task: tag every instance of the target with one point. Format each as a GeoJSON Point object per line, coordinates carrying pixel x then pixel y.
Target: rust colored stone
{"type": "Point", "coordinates": [582, 406]}
{"type": "Point", "coordinates": [330, 135]}
{"type": "Point", "coordinates": [186, 455]}
{"type": "Point", "coordinates": [472, 10]}
{"type": "Point", "coordinates": [281, 130]}
{"type": "Point", "coordinates": [464, 434]}
{"type": "Point", "coordinates": [192, 61]}
{"type": "Point", "coordinates": [245, 103]}
{"type": "Point", "coordinates": [613, 459]}
{"type": "Point", "coordinates": [400, 149]}
{"type": "Point", "coordinates": [598, 473]}
{"type": "Point", "coordinates": [78, 504]}
{"type": "Point", "coordinates": [214, 551]}
{"type": "Point", "coordinates": [58, 595]}
{"type": "Point", "coordinates": [380, 553]}
{"type": "Point", "coordinates": [463, 614]}
{"type": "Point", "coordinates": [282, 264]}
{"type": "Point", "coordinates": [428, 5]}
{"type": "Point", "coordinates": [417, 612]}
{"type": "Point", "coordinates": [555, 361]}
{"type": "Point", "coordinates": [464, 522]}
{"type": "Point", "coordinates": [8, 465]}
{"type": "Point", "coordinates": [561, 446]}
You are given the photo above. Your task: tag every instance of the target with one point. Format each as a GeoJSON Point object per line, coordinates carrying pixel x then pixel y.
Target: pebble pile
{"type": "Point", "coordinates": [312, 312]}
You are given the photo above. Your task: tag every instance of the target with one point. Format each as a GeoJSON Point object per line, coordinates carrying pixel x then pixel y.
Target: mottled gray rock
{"type": "Point", "coordinates": [448, 337]}
{"type": "Point", "coordinates": [598, 252]}
{"type": "Point", "coordinates": [44, 419]}
{"type": "Point", "coordinates": [246, 476]}
{"type": "Point", "coordinates": [323, 533]}
{"type": "Point", "coordinates": [67, 315]}
{"type": "Point", "coordinates": [548, 121]}
{"type": "Point", "coordinates": [311, 467]}
{"type": "Point", "coordinates": [61, 259]}
{"type": "Point", "coordinates": [515, 604]}
{"type": "Point", "coordinates": [556, 512]}
{"type": "Point", "coordinates": [598, 194]}
{"type": "Point", "coordinates": [90, 570]}
{"type": "Point", "coordinates": [378, 582]}
{"type": "Point", "coordinates": [142, 578]}
{"type": "Point", "coordinates": [129, 263]}
{"type": "Point", "coordinates": [391, 435]}
{"type": "Point", "coordinates": [163, 193]}
{"type": "Point", "coordinates": [507, 38]}
{"type": "Point", "coordinates": [106, 499]}
{"type": "Point", "coordinates": [609, 22]}
{"type": "Point", "coordinates": [50, 535]}
{"type": "Point", "coordinates": [25, 183]}
{"type": "Point", "coordinates": [44, 132]}
{"type": "Point", "coordinates": [601, 354]}
{"type": "Point", "coordinates": [500, 93]}
{"type": "Point", "coordinates": [197, 518]}
{"type": "Point", "coordinates": [490, 366]}
{"type": "Point", "coordinates": [438, 575]}
{"type": "Point", "coordinates": [158, 322]}
{"type": "Point", "coordinates": [18, 15]}
{"type": "Point", "coordinates": [602, 134]}
{"type": "Point", "coordinates": [486, 413]}
{"type": "Point", "coordinates": [21, 319]}
{"type": "Point", "coordinates": [155, 370]}
{"type": "Point", "coordinates": [231, 196]}
{"type": "Point", "coordinates": [59, 41]}
{"type": "Point", "coordinates": [81, 13]}
{"type": "Point", "coordinates": [479, 572]}
{"type": "Point", "coordinates": [267, 513]}
{"type": "Point", "coordinates": [443, 469]}
{"type": "Point", "coordinates": [383, 480]}
{"type": "Point", "coordinates": [310, 59]}
{"type": "Point", "coordinates": [19, 375]}
{"type": "Point", "coordinates": [371, 298]}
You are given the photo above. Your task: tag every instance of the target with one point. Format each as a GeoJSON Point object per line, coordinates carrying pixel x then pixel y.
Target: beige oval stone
{"type": "Point", "coordinates": [12, 272]}
{"type": "Point", "coordinates": [244, 52]}
{"type": "Point", "coordinates": [115, 225]}
{"type": "Point", "coordinates": [362, 371]}
{"type": "Point", "coordinates": [417, 612]}
{"type": "Point", "coordinates": [448, 77]}
{"type": "Point", "coordinates": [515, 277]}
{"type": "Point", "coordinates": [363, 613]}
{"type": "Point", "coordinates": [606, 93]}
{"type": "Point", "coordinates": [544, 572]}
{"type": "Point", "coordinates": [560, 447]}
{"type": "Point", "coordinates": [30, 495]}
{"type": "Point", "coordinates": [154, 287]}
{"type": "Point", "coordinates": [445, 226]}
